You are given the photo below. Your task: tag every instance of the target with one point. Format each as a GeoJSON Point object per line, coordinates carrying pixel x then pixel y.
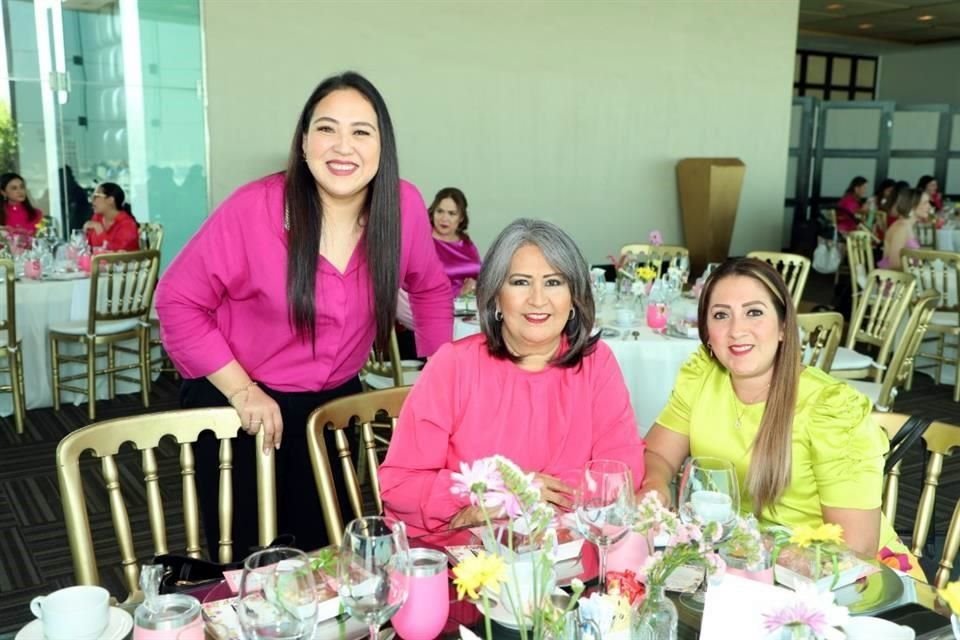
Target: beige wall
{"type": "Point", "coordinates": [571, 111]}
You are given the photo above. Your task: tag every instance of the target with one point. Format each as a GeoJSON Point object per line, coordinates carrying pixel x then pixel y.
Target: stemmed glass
{"type": "Point", "coordinates": [709, 492]}
{"type": "Point", "coordinates": [604, 506]}
{"type": "Point", "coordinates": [278, 596]}
{"type": "Point", "coordinates": [372, 573]}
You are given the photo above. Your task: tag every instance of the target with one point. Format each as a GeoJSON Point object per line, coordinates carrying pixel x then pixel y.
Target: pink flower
{"type": "Point", "coordinates": [811, 609]}
{"type": "Point", "coordinates": [656, 239]}
{"type": "Point", "coordinates": [477, 480]}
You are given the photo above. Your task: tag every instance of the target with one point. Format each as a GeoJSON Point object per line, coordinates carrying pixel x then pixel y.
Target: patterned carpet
{"type": "Point", "coordinates": [35, 556]}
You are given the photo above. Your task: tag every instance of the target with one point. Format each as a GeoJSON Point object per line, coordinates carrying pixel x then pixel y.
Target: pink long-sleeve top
{"type": "Point", "coordinates": [461, 260]}
{"type": "Point", "coordinates": [468, 405]}
{"type": "Point", "coordinates": [18, 219]}
{"type": "Point", "coordinates": [224, 296]}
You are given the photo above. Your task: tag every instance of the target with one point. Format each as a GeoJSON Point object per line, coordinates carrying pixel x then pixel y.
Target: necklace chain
{"type": "Point", "coordinates": [745, 405]}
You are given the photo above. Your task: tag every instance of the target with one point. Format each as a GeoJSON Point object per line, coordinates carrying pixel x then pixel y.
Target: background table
{"type": "Point", "coordinates": [41, 303]}
{"type": "Point", "coordinates": [649, 361]}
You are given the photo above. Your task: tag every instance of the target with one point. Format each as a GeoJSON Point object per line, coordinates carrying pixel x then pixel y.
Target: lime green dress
{"type": "Point", "coordinates": [838, 449]}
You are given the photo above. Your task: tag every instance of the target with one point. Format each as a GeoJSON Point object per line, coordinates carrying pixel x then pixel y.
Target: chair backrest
{"type": "Point", "coordinates": [938, 271]}
{"type": "Point", "coordinates": [660, 257]}
{"type": "Point", "coordinates": [151, 236]}
{"type": "Point", "coordinates": [121, 286]}
{"type": "Point", "coordinates": [387, 365]}
{"type": "Point", "coordinates": [792, 268]}
{"type": "Point", "coordinates": [360, 410]}
{"type": "Point", "coordinates": [941, 439]}
{"type": "Point", "coordinates": [901, 363]}
{"type": "Point", "coordinates": [926, 234]}
{"type": "Point", "coordinates": [860, 261]}
{"type": "Point", "coordinates": [820, 335]}
{"type": "Point", "coordinates": [880, 311]}
{"type": "Point", "coordinates": [145, 432]}
{"type": "Point", "coordinates": [8, 320]}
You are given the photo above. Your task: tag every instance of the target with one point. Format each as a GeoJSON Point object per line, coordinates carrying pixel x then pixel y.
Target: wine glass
{"type": "Point", "coordinates": [278, 597]}
{"type": "Point", "coordinates": [709, 493]}
{"type": "Point", "coordinates": [372, 573]}
{"type": "Point", "coordinates": [604, 506]}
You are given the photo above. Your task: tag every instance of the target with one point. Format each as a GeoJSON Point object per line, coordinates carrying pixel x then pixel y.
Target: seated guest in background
{"type": "Point", "coordinates": [881, 203]}
{"type": "Point", "coordinates": [852, 207]}
{"type": "Point", "coordinates": [912, 205]}
{"type": "Point", "coordinates": [535, 386]}
{"type": "Point", "coordinates": [112, 226]}
{"type": "Point", "coordinates": [19, 215]}
{"type": "Point", "coordinates": [460, 258]}
{"type": "Point", "coordinates": [930, 185]}
{"type": "Point", "coordinates": [804, 445]}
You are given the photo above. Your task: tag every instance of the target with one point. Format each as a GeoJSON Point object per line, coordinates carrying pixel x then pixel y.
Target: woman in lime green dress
{"type": "Point", "coordinates": [804, 445]}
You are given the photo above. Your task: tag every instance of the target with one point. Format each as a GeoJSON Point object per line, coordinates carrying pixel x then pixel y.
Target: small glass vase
{"type": "Point", "coordinates": [796, 632]}
{"type": "Point", "coordinates": [657, 619]}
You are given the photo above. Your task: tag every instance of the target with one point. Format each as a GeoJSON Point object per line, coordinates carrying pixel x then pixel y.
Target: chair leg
{"type": "Point", "coordinates": [941, 343]}
{"type": "Point", "coordinates": [16, 382]}
{"type": "Point", "coordinates": [91, 380]}
{"type": "Point", "coordinates": [111, 376]}
{"type": "Point", "coordinates": [55, 372]}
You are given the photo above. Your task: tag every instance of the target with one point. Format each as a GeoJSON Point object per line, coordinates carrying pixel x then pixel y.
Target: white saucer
{"type": "Point", "coordinates": [867, 628]}
{"type": "Point", "coordinates": [503, 617]}
{"type": "Point", "coordinates": [118, 627]}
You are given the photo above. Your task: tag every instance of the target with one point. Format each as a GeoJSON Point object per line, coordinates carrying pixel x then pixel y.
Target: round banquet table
{"type": "Point", "coordinates": [39, 304]}
{"type": "Point", "coordinates": [649, 361]}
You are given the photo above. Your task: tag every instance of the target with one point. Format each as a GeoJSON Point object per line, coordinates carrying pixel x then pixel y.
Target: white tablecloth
{"type": "Point", "coordinates": [40, 304]}
{"type": "Point", "coordinates": [650, 363]}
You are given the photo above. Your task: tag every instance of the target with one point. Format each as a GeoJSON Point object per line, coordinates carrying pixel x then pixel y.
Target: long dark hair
{"type": "Point", "coordinates": [855, 184]}
{"type": "Point", "coordinates": [770, 464]}
{"type": "Point", "coordinates": [113, 190]}
{"type": "Point", "coordinates": [6, 179]}
{"type": "Point", "coordinates": [305, 213]}
{"type": "Point", "coordinates": [924, 181]}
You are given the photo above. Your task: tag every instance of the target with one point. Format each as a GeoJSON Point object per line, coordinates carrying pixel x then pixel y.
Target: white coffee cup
{"type": "Point", "coordinates": [74, 613]}
{"type": "Point", "coordinates": [626, 317]}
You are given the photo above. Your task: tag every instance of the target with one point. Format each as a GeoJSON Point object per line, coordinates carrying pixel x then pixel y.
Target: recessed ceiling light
{"type": "Point", "coordinates": [865, 26]}
{"type": "Point", "coordinates": [925, 18]}
{"type": "Point", "coordinates": [834, 7]}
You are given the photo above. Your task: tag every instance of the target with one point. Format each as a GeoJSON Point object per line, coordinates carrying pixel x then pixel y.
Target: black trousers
{"type": "Point", "coordinates": [298, 504]}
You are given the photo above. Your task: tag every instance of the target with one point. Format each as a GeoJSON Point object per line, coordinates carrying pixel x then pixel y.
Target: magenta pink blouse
{"type": "Point", "coordinates": [847, 209]}
{"type": "Point", "coordinates": [468, 405]}
{"type": "Point", "coordinates": [18, 218]}
{"type": "Point", "coordinates": [224, 296]}
{"type": "Point", "coordinates": [460, 259]}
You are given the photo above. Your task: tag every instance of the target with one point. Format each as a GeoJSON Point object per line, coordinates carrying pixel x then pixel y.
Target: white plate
{"type": "Point", "coordinates": [503, 617]}
{"type": "Point", "coordinates": [119, 626]}
{"type": "Point", "coordinates": [867, 628]}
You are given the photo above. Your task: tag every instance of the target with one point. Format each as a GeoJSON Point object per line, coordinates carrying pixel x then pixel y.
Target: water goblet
{"type": "Point", "coordinates": [278, 596]}
{"type": "Point", "coordinates": [372, 570]}
{"type": "Point", "coordinates": [604, 506]}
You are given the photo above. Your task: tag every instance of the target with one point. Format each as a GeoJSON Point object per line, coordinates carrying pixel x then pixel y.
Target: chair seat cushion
{"type": "Point", "coordinates": [945, 319]}
{"type": "Point", "coordinates": [848, 359]}
{"type": "Point", "coordinates": [869, 389]}
{"type": "Point", "coordinates": [384, 382]}
{"type": "Point", "coordinates": [79, 327]}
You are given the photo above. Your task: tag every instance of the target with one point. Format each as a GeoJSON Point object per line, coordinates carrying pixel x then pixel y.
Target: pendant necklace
{"type": "Point", "coordinates": [742, 410]}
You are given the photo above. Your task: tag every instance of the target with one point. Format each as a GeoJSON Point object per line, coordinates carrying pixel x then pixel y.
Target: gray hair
{"type": "Point", "coordinates": [562, 254]}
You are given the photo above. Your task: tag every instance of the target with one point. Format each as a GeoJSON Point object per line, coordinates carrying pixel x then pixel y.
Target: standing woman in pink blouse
{"type": "Point", "coordinates": [273, 306]}
{"type": "Point", "coordinates": [18, 215]}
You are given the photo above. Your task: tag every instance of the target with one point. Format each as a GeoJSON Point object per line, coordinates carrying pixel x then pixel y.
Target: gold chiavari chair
{"type": "Point", "coordinates": [860, 262]}
{"type": "Point", "coordinates": [874, 324]}
{"type": "Point", "coordinates": [10, 347]}
{"type": "Point", "coordinates": [151, 236]}
{"type": "Point", "coordinates": [901, 364]}
{"type": "Point", "coordinates": [383, 371]}
{"type": "Point", "coordinates": [941, 439]}
{"type": "Point", "coordinates": [145, 432]}
{"type": "Point", "coordinates": [939, 271]}
{"type": "Point", "coordinates": [120, 299]}
{"type": "Point", "coordinates": [926, 234]}
{"type": "Point", "coordinates": [362, 410]}
{"type": "Point", "coordinates": [660, 257]}
{"type": "Point", "coordinates": [820, 335]}
{"type": "Point", "coordinates": [792, 268]}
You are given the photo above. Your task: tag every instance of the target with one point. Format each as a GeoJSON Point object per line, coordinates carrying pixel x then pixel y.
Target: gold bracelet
{"type": "Point", "coordinates": [239, 391]}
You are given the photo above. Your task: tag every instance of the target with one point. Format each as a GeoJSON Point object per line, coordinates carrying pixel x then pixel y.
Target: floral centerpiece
{"type": "Point", "coordinates": [811, 553]}
{"type": "Point", "coordinates": [500, 488]}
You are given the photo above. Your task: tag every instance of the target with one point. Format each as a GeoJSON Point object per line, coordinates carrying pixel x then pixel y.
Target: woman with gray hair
{"type": "Point", "coordinates": [536, 385]}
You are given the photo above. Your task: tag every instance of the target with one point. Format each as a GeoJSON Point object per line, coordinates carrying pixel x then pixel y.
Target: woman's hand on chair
{"type": "Point", "coordinates": [256, 409]}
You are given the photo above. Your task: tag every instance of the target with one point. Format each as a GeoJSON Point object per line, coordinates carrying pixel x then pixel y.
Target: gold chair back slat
{"type": "Point", "coordinates": [129, 279]}
{"type": "Point", "coordinates": [901, 363]}
{"type": "Point", "coordinates": [337, 415]}
{"type": "Point", "coordinates": [387, 365]}
{"type": "Point", "coordinates": [860, 262]}
{"type": "Point", "coordinates": [370, 451]}
{"type": "Point", "coordinates": [792, 268]}
{"type": "Point", "coordinates": [926, 234]}
{"type": "Point", "coordinates": [660, 257]}
{"type": "Point", "coordinates": [225, 503]}
{"type": "Point", "coordinates": [11, 349]}
{"type": "Point", "coordinates": [191, 505]}
{"type": "Point", "coordinates": [891, 423]}
{"type": "Point", "coordinates": [104, 440]}
{"type": "Point", "coordinates": [151, 479]}
{"type": "Point", "coordinates": [936, 270]}
{"type": "Point", "coordinates": [879, 313]}
{"type": "Point", "coordinates": [151, 236]}
{"type": "Point", "coordinates": [820, 337]}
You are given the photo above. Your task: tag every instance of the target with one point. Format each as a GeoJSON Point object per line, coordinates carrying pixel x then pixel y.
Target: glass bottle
{"type": "Point", "coordinates": [657, 619]}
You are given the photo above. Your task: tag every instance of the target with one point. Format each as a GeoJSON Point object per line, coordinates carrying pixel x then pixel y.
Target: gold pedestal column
{"type": "Point", "coordinates": [709, 195]}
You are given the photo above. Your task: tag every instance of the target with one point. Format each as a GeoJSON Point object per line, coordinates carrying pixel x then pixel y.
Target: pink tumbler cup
{"type": "Point", "coordinates": [32, 269]}
{"type": "Point", "coordinates": [425, 613]}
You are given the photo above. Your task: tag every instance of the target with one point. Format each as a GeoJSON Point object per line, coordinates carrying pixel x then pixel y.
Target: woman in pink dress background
{"type": "Point", "coordinates": [19, 215]}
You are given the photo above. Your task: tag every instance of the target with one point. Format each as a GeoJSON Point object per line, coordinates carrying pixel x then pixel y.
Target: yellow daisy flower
{"type": "Point", "coordinates": [474, 573]}
{"type": "Point", "coordinates": [951, 595]}
{"type": "Point", "coordinates": [805, 535]}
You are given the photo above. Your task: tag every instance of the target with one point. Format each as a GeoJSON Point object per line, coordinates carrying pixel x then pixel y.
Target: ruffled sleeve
{"type": "Point", "coordinates": [690, 381]}
{"type": "Point", "coordinates": [847, 448]}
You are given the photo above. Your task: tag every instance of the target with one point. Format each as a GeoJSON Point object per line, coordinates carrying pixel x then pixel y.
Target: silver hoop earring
{"type": "Point", "coordinates": [498, 315]}
{"type": "Point", "coordinates": [573, 313]}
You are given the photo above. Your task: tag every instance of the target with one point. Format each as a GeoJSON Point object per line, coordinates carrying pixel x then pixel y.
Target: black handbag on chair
{"type": "Point", "coordinates": [901, 442]}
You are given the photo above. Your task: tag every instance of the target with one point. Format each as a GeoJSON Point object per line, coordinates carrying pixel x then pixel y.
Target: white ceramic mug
{"type": "Point", "coordinates": [74, 613]}
{"type": "Point", "coordinates": [626, 317]}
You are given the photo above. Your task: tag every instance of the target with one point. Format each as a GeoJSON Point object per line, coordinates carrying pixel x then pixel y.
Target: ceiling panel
{"type": "Point", "coordinates": [884, 19]}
